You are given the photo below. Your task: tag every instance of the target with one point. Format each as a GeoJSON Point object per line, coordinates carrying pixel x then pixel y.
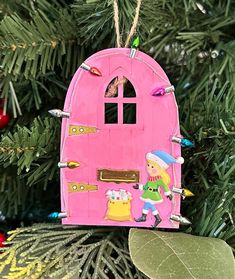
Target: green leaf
{"type": "Point", "coordinates": [163, 255]}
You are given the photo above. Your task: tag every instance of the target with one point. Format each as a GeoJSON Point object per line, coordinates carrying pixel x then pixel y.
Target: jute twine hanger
{"type": "Point", "coordinates": [112, 89]}
{"type": "Point", "coordinates": [133, 27]}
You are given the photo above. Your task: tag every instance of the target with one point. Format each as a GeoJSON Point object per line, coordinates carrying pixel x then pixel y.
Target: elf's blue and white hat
{"type": "Point", "coordinates": [163, 158]}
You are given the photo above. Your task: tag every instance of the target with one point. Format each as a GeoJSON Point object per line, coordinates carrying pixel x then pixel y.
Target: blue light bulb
{"type": "Point", "coordinates": [186, 143]}
{"type": "Point", "coordinates": [53, 215]}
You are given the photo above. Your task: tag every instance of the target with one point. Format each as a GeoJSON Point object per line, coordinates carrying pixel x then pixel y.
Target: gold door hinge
{"type": "Point", "coordinates": [80, 130]}
{"type": "Point", "coordinates": [81, 187]}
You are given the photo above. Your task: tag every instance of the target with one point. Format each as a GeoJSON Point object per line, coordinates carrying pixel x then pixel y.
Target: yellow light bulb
{"type": "Point", "coordinates": [187, 193]}
{"type": "Point", "coordinates": [73, 164]}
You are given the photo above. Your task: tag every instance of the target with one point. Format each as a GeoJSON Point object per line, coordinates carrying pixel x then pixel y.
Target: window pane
{"type": "Point", "coordinates": [111, 113]}
{"type": "Point", "coordinates": [128, 89]}
{"type": "Point", "coordinates": [112, 89]}
{"type": "Point", "coordinates": [129, 113]}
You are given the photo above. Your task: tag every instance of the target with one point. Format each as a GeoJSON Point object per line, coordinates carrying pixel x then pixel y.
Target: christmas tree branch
{"type": "Point", "coordinates": [41, 44]}
{"type": "Point", "coordinates": [55, 251]}
{"type": "Point", "coordinates": [32, 145]}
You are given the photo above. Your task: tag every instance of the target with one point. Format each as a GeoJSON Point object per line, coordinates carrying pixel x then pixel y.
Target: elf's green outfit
{"type": "Point", "coordinates": [151, 196]}
{"type": "Point", "coordinates": [151, 190]}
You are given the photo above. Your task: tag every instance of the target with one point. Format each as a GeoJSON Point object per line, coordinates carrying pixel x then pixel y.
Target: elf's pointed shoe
{"type": "Point", "coordinates": [142, 218]}
{"type": "Point", "coordinates": [157, 220]}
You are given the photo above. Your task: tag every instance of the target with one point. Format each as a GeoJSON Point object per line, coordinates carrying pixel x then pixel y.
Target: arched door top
{"type": "Point", "coordinates": [116, 67]}
{"type": "Point", "coordinates": [140, 56]}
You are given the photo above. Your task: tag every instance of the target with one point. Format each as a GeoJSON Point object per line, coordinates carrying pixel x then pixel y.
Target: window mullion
{"type": "Point", "coordinates": [120, 101]}
{"type": "Point", "coordinates": [120, 112]}
{"type": "Point", "coordinates": [120, 87]}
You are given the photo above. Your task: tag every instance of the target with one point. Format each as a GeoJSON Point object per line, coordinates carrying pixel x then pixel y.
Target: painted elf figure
{"type": "Point", "coordinates": [157, 163]}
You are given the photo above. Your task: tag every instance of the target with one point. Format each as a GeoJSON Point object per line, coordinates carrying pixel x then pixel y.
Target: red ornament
{"type": "Point", "coordinates": [4, 119]}
{"type": "Point", "coordinates": [2, 239]}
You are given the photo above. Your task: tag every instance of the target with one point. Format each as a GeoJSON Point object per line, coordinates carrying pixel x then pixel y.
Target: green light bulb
{"type": "Point", "coordinates": [136, 42]}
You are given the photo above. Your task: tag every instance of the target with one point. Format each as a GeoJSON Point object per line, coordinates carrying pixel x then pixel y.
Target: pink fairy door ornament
{"type": "Point", "coordinates": [118, 160]}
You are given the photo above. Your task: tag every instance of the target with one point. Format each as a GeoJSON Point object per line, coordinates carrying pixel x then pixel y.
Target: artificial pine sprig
{"type": "Point", "coordinates": [43, 43]}
{"type": "Point", "coordinates": [26, 147]}
{"type": "Point", "coordinates": [54, 251]}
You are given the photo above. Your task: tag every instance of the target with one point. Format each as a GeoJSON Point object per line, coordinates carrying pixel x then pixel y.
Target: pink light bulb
{"type": "Point", "coordinates": [160, 91]}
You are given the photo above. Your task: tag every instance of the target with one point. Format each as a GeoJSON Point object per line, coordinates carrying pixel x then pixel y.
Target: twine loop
{"type": "Point", "coordinates": [133, 27]}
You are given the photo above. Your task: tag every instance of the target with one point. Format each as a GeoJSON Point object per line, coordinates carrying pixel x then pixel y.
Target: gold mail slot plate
{"type": "Point", "coordinates": [81, 187]}
{"type": "Point", "coordinates": [118, 176]}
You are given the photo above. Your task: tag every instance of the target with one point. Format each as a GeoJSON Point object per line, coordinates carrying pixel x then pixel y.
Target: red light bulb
{"type": "Point", "coordinates": [95, 71]}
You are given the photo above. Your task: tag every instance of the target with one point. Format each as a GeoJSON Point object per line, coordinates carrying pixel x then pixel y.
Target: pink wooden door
{"type": "Point", "coordinates": [118, 143]}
